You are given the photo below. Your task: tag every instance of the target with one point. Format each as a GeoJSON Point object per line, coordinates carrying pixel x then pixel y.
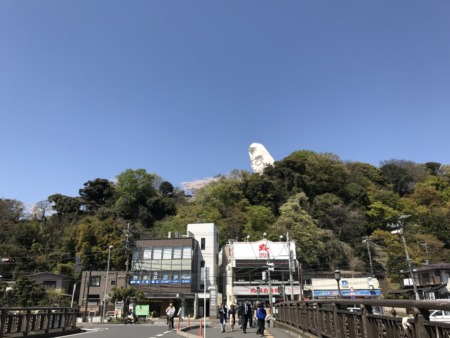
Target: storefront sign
{"type": "Point", "coordinates": [263, 249]}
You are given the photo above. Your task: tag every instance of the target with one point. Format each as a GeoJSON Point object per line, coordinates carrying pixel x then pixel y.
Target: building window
{"type": "Point", "coordinates": [113, 282]}
{"type": "Point", "coordinates": [95, 281]}
{"type": "Point", "coordinates": [167, 252]}
{"type": "Point", "coordinates": [202, 244]}
{"type": "Point", "coordinates": [157, 252]}
{"type": "Point", "coordinates": [202, 286]}
{"type": "Point", "coordinates": [49, 284]}
{"type": "Point", "coordinates": [148, 253]}
{"type": "Point", "coordinates": [187, 252]}
{"type": "Point", "coordinates": [177, 252]}
{"type": "Point", "coordinates": [202, 264]}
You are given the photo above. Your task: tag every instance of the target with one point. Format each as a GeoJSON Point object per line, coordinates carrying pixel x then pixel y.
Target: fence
{"type": "Point", "coordinates": [363, 318]}
{"type": "Point", "coordinates": [37, 321]}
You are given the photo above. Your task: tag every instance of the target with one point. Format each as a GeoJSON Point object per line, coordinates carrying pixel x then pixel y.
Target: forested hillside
{"type": "Point", "coordinates": [328, 206]}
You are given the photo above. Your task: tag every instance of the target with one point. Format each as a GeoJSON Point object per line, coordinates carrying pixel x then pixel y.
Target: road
{"type": "Point", "coordinates": [159, 330]}
{"type": "Point", "coordinates": [122, 331]}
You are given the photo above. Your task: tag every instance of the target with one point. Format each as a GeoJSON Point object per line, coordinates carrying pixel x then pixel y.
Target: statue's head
{"type": "Point", "coordinates": [259, 157]}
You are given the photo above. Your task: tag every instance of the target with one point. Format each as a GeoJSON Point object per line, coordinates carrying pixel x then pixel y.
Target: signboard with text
{"type": "Point", "coordinates": [263, 290]}
{"type": "Point", "coordinates": [263, 249]}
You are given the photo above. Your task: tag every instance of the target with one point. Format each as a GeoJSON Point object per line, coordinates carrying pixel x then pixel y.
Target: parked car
{"type": "Point", "coordinates": [439, 316]}
{"type": "Point", "coordinates": [354, 309]}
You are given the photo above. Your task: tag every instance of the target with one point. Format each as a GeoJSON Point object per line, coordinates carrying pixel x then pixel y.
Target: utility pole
{"type": "Point", "coordinates": [88, 282]}
{"type": "Point", "coordinates": [291, 279]}
{"type": "Point", "coordinates": [127, 263]}
{"type": "Point", "coordinates": [400, 230]}
{"type": "Point", "coordinates": [300, 279]}
{"type": "Point", "coordinates": [366, 240]}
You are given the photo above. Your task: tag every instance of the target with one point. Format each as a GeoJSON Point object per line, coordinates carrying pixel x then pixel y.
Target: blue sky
{"type": "Point", "coordinates": [89, 89]}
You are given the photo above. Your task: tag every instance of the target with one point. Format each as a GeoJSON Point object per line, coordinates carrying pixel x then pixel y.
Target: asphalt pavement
{"type": "Point", "coordinates": [213, 330]}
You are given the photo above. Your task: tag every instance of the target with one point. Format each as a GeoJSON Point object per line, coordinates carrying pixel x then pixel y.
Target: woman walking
{"type": "Point", "coordinates": [268, 313]}
{"type": "Point", "coordinates": [232, 316]}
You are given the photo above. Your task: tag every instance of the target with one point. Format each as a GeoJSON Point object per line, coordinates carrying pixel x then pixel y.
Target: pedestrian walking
{"type": "Point", "coordinates": [170, 312]}
{"type": "Point", "coordinates": [223, 317]}
{"type": "Point", "coordinates": [261, 317]}
{"type": "Point", "coordinates": [232, 316]}
{"type": "Point", "coordinates": [246, 314]}
{"type": "Point", "coordinates": [268, 313]}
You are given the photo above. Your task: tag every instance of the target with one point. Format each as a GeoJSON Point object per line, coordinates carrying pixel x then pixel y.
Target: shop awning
{"type": "Point", "coordinates": [398, 291]}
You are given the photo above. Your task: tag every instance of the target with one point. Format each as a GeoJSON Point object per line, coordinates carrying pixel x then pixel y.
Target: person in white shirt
{"type": "Point", "coordinates": [170, 312]}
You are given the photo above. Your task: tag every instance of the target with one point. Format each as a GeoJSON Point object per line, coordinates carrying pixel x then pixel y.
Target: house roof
{"type": "Point", "coordinates": [50, 274]}
{"type": "Point", "coordinates": [429, 267]}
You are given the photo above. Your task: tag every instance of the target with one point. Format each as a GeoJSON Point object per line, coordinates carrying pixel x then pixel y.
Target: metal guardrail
{"type": "Point", "coordinates": [36, 321]}
{"type": "Point", "coordinates": [338, 319]}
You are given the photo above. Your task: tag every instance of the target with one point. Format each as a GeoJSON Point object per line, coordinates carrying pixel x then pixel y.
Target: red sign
{"type": "Point", "coordinates": [263, 250]}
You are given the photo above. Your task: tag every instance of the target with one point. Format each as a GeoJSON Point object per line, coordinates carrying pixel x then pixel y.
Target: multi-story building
{"type": "Point", "coordinates": [259, 271]}
{"type": "Point", "coordinates": [171, 270]}
{"type": "Point", "coordinates": [92, 291]}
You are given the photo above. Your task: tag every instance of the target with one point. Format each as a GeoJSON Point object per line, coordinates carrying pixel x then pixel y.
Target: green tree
{"type": "Point", "coordinates": [302, 228]}
{"type": "Point", "coordinates": [65, 205]}
{"type": "Point", "coordinates": [26, 292]}
{"type": "Point", "coordinates": [97, 193]}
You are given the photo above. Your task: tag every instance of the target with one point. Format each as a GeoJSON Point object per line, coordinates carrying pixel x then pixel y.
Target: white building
{"type": "Point", "coordinates": [207, 236]}
{"type": "Point", "coordinates": [261, 270]}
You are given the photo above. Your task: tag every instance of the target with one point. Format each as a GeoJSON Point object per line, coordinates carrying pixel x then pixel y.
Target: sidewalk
{"type": "Point", "coordinates": [213, 330]}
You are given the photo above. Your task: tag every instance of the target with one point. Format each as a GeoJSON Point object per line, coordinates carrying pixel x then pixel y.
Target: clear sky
{"type": "Point", "coordinates": [90, 88]}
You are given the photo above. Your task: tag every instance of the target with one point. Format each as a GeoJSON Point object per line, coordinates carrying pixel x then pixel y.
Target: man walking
{"type": "Point", "coordinates": [246, 314]}
{"type": "Point", "coordinates": [170, 312]}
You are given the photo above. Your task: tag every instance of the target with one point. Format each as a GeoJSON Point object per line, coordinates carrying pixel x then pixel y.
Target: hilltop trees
{"type": "Point", "coordinates": [325, 204]}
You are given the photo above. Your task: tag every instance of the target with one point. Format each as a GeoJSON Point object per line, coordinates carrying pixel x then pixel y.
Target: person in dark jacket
{"type": "Point", "coordinates": [246, 314]}
{"type": "Point", "coordinates": [223, 316]}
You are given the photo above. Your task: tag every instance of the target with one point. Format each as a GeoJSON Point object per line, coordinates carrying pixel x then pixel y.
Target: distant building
{"type": "Point", "coordinates": [257, 271]}
{"type": "Point", "coordinates": [350, 287]}
{"type": "Point", "coordinates": [92, 288]}
{"type": "Point", "coordinates": [170, 270]}
{"type": "Point", "coordinates": [431, 282]}
{"type": "Point", "coordinates": [52, 281]}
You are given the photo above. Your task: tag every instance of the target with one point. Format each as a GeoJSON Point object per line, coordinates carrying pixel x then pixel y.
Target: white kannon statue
{"type": "Point", "coordinates": [259, 157]}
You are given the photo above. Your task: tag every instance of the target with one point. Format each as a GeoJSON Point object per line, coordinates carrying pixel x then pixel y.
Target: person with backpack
{"type": "Point", "coordinates": [261, 317]}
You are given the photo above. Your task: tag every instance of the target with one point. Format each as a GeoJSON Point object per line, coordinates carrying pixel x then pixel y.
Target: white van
{"type": "Point", "coordinates": [439, 316]}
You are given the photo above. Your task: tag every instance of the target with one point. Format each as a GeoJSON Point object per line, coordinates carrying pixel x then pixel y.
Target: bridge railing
{"type": "Point", "coordinates": [20, 321]}
{"type": "Point", "coordinates": [340, 318]}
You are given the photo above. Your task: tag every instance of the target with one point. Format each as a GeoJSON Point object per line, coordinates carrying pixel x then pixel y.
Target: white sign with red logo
{"type": "Point", "coordinates": [262, 249]}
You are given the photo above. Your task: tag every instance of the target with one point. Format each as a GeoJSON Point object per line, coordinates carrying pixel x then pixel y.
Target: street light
{"type": "Point", "coordinates": [337, 277]}
{"type": "Point", "coordinates": [106, 282]}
